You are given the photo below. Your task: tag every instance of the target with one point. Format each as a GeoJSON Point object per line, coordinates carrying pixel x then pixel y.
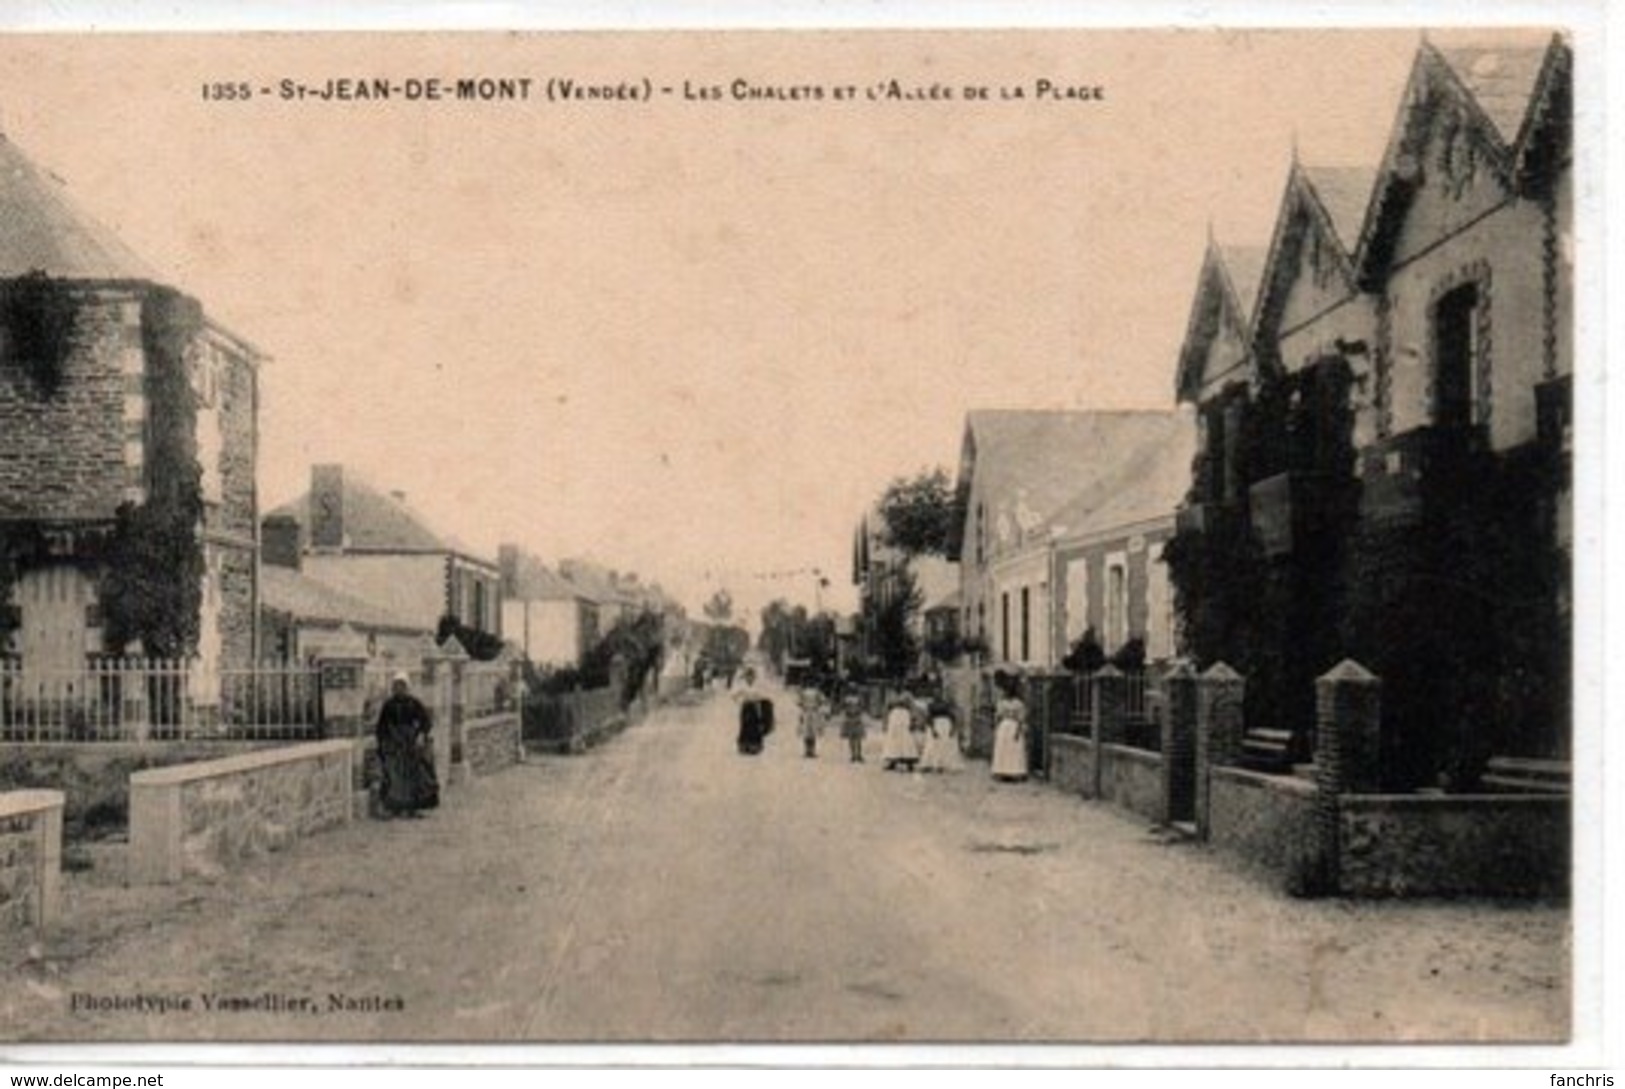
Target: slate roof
{"type": "Point", "coordinates": [376, 520]}
{"type": "Point", "coordinates": [1146, 478]}
{"type": "Point", "coordinates": [284, 590]}
{"type": "Point", "coordinates": [1500, 78]}
{"type": "Point", "coordinates": [537, 582]}
{"type": "Point", "coordinates": [593, 584]}
{"type": "Point", "coordinates": [45, 230]}
{"type": "Point", "coordinates": [1245, 267]}
{"type": "Point", "coordinates": [1344, 192]}
{"type": "Point", "coordinates": [1032, 464]}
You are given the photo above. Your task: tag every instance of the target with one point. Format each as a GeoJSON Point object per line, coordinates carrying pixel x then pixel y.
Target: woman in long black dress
{"type": "Point", "coordinates": [405, 756]}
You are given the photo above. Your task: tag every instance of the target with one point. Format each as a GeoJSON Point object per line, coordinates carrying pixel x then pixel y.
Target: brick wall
{"type": "Point", "coordinates": [62, 457]}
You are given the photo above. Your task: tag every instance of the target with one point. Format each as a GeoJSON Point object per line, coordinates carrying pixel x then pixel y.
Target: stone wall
{"type": "Point", "coordinates": [491, 743]}
{"type": "Point", "coordinates": [63, 454]}
{"type": "Point", "coordinates": [1132, 778]}
{"type": "Point", "coordinates": [575, 721]}
{"type": "Point", "coordinates": [238, 513]}
{"type": "Point", "coordinates": [1072, 764]}
{"type": "Point", "coordinates": [1453, 845]}
{"type": "Point", "coordinates": [237, 575]}
{"type": "Point", "coordinates": [1267, 821]}
{"type": "Point", "coordinates": [198, 819]}
{"type": "Point", "coordinates": [95, 779]}
{"type": "Point", "coordinates": [30, 858]}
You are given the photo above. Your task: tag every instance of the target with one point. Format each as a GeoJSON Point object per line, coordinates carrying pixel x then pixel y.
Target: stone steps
{"type": "Point", "coordinates": [1267, 750]}
{"type": "Point", "coordinates": [1525, 775]}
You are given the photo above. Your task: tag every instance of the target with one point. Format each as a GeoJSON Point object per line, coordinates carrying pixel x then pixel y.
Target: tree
{"type": "Point", "coordinates": [887, 619]}
{"type": "Point", "coordinates": [791, 632]}
{"type": "Point", "coordinates": [720, 608]}
{"type": "Point", "coordinates": [921, 514]}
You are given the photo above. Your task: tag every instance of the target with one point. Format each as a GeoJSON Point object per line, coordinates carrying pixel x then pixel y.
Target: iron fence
{"type": "Point", "coordinates": [141, 699]}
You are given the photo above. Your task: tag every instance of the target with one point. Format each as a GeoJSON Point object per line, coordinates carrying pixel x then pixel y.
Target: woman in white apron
{"type": "Point", "coordinates": [900, 750]}
{"type": "Point", "coordinates": [941, 740]}
{"type": "Point", "coordinates": [1009, 733]}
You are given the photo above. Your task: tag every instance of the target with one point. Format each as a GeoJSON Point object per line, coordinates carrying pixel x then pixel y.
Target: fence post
{"type": "Point", "coordinates": [1179, 743]}
{"type": "Point", "coordinates": [1219, 695]}
{"type": "Point", "coordinates": [1348, 722]}
{"type": "Point", "coordinates": [1110, 696]}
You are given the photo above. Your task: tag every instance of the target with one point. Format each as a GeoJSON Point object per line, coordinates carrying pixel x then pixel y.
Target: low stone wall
{"type": "Point", "coordinates": [573, 722]}
{"type": "Point", "coordinates": [1072, 764]}
{"type": "Point", "coordinates": [1132, 778]}
{"type": "Point", "coordinates": [30, 857]}
{"type": "Point", "coordinates": [1453, 845]}
{"type": "Point", "coordinates": [198, 819]}
{"type": "Point", "coordinates": [491, 743]}
{"type": "Point", "coordinates": [1267, 821]}
{"type": "Point", "coordinates": [95, 777]}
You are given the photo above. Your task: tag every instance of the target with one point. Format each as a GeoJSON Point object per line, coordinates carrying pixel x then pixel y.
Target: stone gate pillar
{"type": "Point", "coordinates": [1219, 725]}
{"type": "Point", "coordinates": [1179, 744]}
{"type": "Point", "coordinates": [1109, 693]}
{"type": "Point", "coordinates": [1348, 722]}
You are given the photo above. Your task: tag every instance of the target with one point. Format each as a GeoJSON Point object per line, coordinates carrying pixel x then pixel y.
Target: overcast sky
{"type": "Point", "coordinates": [691, 339]}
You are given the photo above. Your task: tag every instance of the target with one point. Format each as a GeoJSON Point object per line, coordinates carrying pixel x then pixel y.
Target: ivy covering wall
{"type": "Point", "coordinates": [39, 315]}
{"type": "Point", "coordinates": [152, 587]}
{"type": "Point", "coordinates": [1454, 605]}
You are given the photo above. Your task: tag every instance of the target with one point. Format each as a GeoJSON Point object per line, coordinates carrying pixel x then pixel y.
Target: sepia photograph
{"type": "Point", "coordinates": [848, 536]}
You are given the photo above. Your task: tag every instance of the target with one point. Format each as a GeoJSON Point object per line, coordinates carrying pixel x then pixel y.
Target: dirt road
{"type": "Point", "coordinates": [664, 888]}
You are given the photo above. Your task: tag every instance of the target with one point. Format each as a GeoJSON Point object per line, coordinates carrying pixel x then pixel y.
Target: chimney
{"type": "Point", "coordinates": [279, 541]}
{"type": "Point", "coordinates": [508, 565]}
{"type": "Point", "coordinates": [327, 507]}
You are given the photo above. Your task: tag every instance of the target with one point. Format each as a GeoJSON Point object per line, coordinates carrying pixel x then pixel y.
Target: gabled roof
{"type": "Point", "coordinates": [1226, 291]}
{"type": "Point", "coordinates": [1500, 78]}
{"type": "Point", "coordinates": [538, 582]}
{"type": "Point", "coordinates": [375, 520]}
{"type": "Point", "coordinates": [42, 229]}
{"type": "Point", "coordinates": [1032, 463]}
{"type": "Point", "coordinates": [594, 584]}
{"type": "Point", "coordinates": [1328, 200]}
{"type": "Point", "coordinates": [284, 590]}
{"type": "Point", "coordinates": [1146, 479]}
{"type": "Point", "coordinates": [1495, 87]}
{"type": "Point", "coordinates": [1546, 133]}
{"type": "Point", "coordinates": [1343, 193]}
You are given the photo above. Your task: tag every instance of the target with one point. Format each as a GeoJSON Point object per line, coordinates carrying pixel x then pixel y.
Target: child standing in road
{"type": "Point", "coordinates": [811, 726]}
{"type": "Point", "coordinates": [852, 727]}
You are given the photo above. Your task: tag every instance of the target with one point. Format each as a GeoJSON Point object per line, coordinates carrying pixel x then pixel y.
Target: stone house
{"type": "Point", "coordinates": [301, 617]}
{"type": "Point", "coordinates": [1387, 424]}
{"type": "Point", "coordinates": [372, 545]}
{"type": "Point", "coordinates": [1033, 480]}
{"type": "Point", "coordinates": [1106, 546]}
{"type": "Point", "coordinates": [118, 393]}
{"type": "Point", "coordinates": [550, 619]}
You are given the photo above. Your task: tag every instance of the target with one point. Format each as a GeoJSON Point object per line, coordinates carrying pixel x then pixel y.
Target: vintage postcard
{"type": "Point", "coordinates": [827, 536]}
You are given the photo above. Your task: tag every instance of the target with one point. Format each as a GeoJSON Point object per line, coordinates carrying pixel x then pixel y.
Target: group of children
{"type": "Point", "coordinates": [920, 734]}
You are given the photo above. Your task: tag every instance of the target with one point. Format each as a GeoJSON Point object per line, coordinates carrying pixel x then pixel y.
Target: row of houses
{"type": "Point", "coordinates": [130, 512]}
{"type": "Point", "coordinates": [1368, 455]}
